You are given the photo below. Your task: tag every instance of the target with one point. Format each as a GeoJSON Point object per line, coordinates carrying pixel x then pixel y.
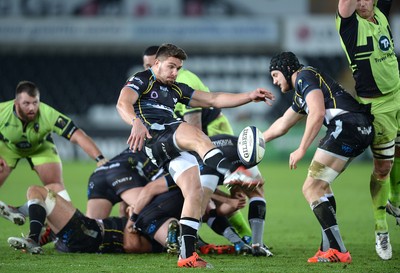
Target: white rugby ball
{"type": "Point", "coordinates": [251, 146]}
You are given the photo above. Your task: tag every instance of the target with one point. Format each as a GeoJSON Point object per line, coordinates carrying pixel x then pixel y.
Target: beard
{"type": "Point", "coordinates": [27, 117]}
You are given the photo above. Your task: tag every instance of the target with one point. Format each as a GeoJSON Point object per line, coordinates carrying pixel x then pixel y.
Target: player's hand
{"type": "Point", "coordinates": [240, 197]}
{"type": "Point", "coordinates": [131, 227]}
{"type": "Point", "coordinates": [261, 94]}
{"type": "Point", "coordinates": [138, 136]}
{"type": "Point", "coordinates": [295, 157]}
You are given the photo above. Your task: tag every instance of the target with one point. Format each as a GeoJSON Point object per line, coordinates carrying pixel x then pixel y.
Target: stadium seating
{"type": "Point", "coordinates": [75, 82]}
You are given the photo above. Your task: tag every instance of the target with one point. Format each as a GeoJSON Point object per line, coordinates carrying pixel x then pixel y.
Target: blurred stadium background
{"type": "Point", "coordinates": [80, 52]}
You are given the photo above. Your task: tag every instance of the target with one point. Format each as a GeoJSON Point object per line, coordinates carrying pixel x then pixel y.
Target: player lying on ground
{"type": "Point", "coordinates": [78, 233]}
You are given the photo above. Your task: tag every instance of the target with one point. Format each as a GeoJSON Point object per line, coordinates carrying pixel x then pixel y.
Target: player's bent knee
{"type": "Point", "coordinates": [322, 172]}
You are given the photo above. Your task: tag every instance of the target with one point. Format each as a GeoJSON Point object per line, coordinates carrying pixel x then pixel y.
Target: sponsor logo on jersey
{"type": "Point", "coordinates": [384, 43]}
{"type": "Point", "coordinates": [61, 122]}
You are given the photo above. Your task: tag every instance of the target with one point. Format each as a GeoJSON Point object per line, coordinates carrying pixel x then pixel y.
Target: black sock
{"type": "Point", "coordinates": [257, 209]}
{"type": "Point", "coordinates": [37, 217]}
{"type": "Point", "coordinates": [332, 200]}
{"type": "Point", "coordinates": [188, 237]}
{"type": "Point", "coordinates": [327, 219]}
{"type": "Point", "coordinates": [324, 240]}
{"type": "Point", "coordinates": [219, 224]}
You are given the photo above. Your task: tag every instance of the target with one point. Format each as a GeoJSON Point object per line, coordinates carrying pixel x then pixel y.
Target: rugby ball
{"type": "Point", "coordinates": [251, 146]}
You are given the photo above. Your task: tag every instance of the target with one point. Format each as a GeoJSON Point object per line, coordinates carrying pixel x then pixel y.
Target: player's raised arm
{"type": "Point", "coordinates": [346, 7]}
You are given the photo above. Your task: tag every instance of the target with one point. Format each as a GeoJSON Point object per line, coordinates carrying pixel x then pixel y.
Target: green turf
{"type": "Point", "coordinates": [291, 229]}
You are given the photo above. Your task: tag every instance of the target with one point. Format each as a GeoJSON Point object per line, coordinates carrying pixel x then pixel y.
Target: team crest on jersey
{"type": "Point", "coordinates": [61, 122]}
{"type": "Point", "coordinates": [384, 43]}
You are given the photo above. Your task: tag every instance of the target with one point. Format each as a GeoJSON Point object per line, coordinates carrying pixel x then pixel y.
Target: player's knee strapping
{"type": "Point", "coordinates": [50, 201]}
{"type": "Point", "coordinates": [64, 194]}
{"type": "Point", "coordinates": [322, 172]}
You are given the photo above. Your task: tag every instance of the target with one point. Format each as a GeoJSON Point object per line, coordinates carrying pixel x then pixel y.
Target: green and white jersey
{"type": "Point", "coordinates": [370, 51]}
{"type": "Point", "coordinates": [29, 138]}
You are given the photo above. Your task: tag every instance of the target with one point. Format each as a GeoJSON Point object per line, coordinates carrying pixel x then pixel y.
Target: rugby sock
{"type": "Point", "coordinates": [332, 200]}
{"type": "Point", "coordinates": [37, 216]}
{"type": "Point", "coordinates": [215, 159]}
{"type": "Point", "coordinates": [221, 226]}
{"type": "Point", "coordinates": [239, 223]}
{"type": "Point", "coordinates": [380, 192]}
{"type": "Point", "coordinates": [257, 208]}
{"type": "Point", "coordinates": [217, 223]}
{"type": "Point", "coordinates": [230, 234]}
{"type": "Point", "coordinates": [189, 228]}
{"type": "Point", "coordinates": [394, 195]}
{"type": "Point", "coordinates": [324, 241]}
{"type": "Point", "coordinates": [325, 214]}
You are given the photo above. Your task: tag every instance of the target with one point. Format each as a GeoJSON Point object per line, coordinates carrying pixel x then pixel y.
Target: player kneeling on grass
{"type": "Point", "coordinates": [349, 133]}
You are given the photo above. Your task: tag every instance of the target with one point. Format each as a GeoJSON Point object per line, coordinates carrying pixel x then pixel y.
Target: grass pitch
{"type": "Point", "coordinates": [291, 230]}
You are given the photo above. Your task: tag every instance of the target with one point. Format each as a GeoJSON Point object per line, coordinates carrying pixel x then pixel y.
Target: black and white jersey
{"type": "Point", "coordinates": [156, 100]}
{"type": "Point", "coordinates": [337, 100]}
{"type": "Point", "coordinates": [125, 171]}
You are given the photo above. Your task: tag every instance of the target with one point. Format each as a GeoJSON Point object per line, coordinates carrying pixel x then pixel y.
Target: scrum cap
{"type": "Point", "coordinates": [287, 63]}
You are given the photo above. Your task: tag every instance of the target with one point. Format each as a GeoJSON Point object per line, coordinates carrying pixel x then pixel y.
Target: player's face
{"type": "Point", "coordinates": [26, 106]}
{"type": "Point", "coordinates": [279, 80]}
{"type": "Point", "coordinates": [365, 8]}
{"type": "Point", "coordinates": [167, 70]}
{"type": "Point", "coordinates": [148, 61]}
